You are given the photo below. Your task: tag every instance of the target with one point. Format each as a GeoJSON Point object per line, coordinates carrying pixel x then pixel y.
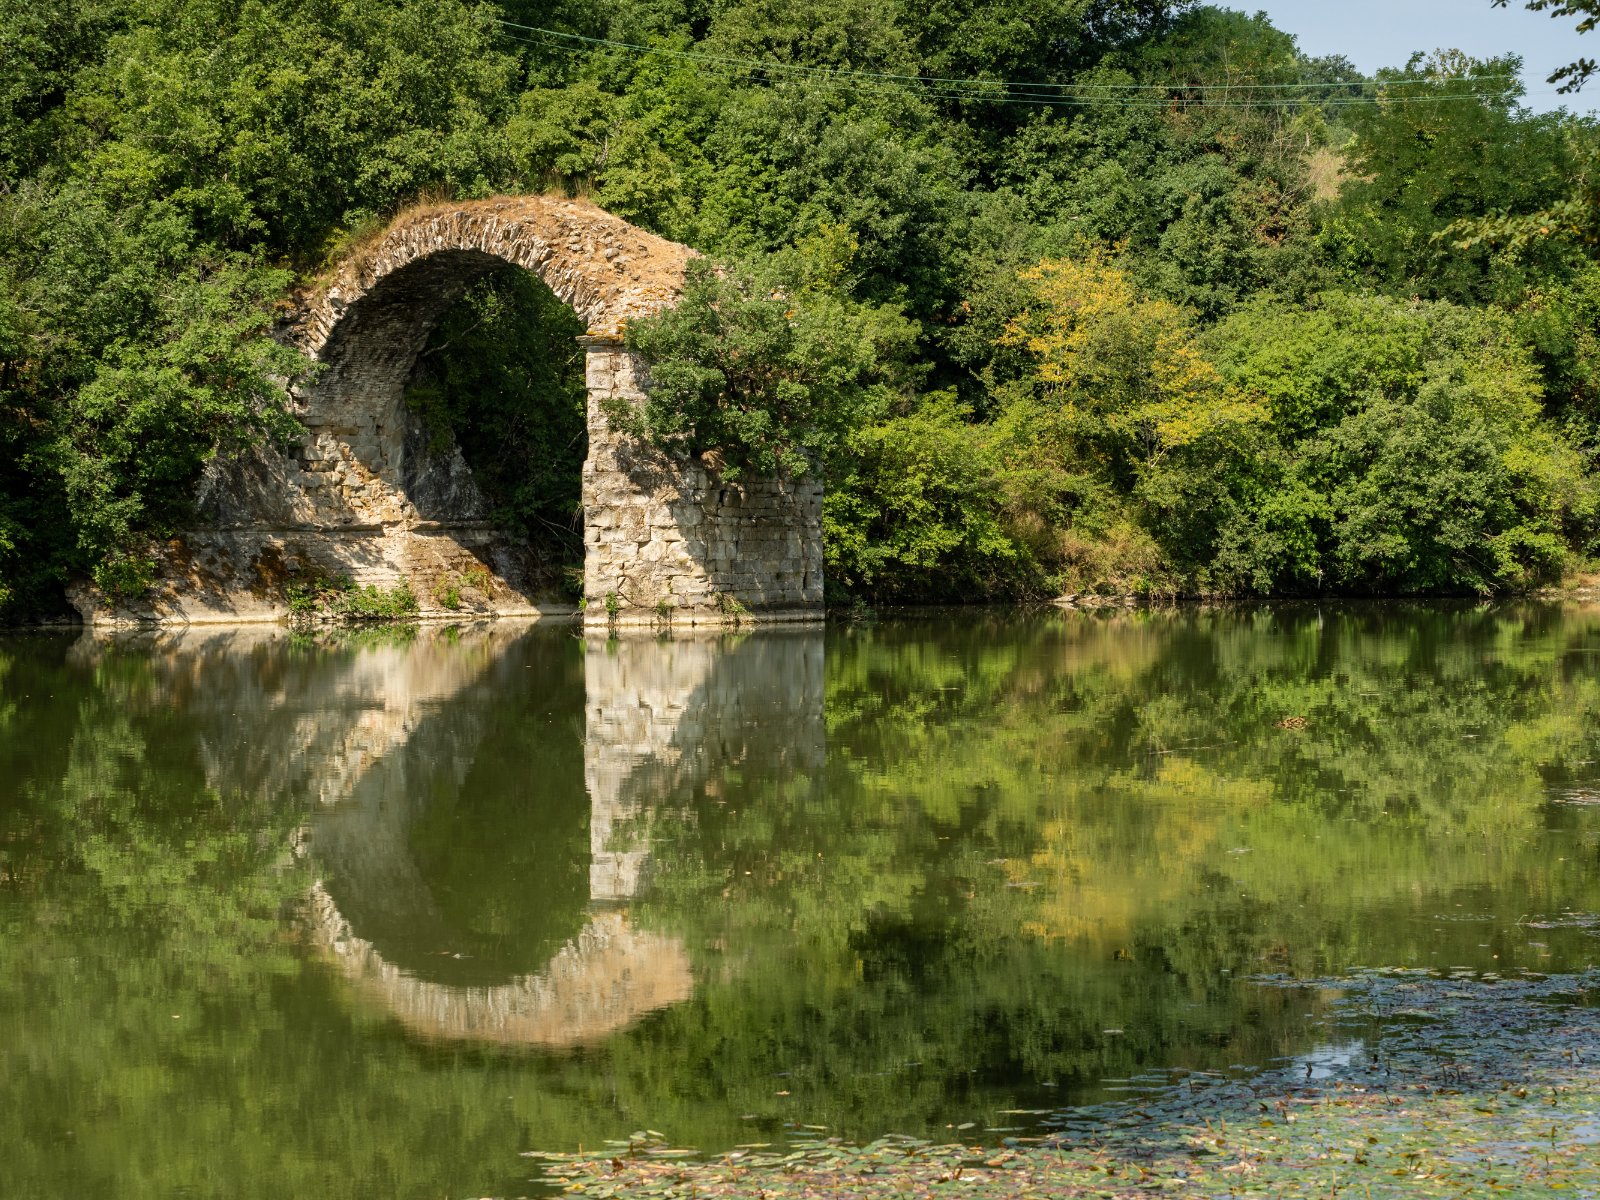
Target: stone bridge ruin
{"type": "Point", "coordinates": [362, 495]}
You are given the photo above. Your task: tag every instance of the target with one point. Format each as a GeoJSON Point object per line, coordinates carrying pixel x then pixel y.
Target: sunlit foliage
{"type": "Point", "coordinates": [173, 169]}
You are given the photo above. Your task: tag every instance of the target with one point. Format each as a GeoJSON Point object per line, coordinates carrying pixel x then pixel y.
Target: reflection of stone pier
{"type": "Point", "coordinates": [638, 691]}
{"type": "Point", "coordinates": [662, 715]}
{"type": "Point", "coordinates": [379, 735]}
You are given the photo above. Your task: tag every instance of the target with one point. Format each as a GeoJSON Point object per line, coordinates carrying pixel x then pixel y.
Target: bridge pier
{"type": "Point", "coordinates": [666, 539]}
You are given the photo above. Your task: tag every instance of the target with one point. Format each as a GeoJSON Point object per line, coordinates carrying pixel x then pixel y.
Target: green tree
{"type": "Point", "coordinates": [915, 512]}
{"type": "Point", "coordinates": [768, 365]}
{"type": "Point", "coordinates": [1413, 451]}
{"type": "Point", "coordinates": [1448, 144]}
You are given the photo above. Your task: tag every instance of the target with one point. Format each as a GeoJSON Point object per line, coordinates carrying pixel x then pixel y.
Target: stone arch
{"type": "Point", "coordinates": [367, 325]}
{"type": "Point", "coordinates": [609, 271]}
{"type": "Point", "coordinates": [362, 494]}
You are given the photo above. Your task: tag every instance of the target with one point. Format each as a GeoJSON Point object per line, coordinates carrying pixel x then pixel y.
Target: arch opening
{"type": "Point", "coordinates": [500, 387]}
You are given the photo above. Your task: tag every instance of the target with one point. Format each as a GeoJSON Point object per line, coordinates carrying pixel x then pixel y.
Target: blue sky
{"type": "Point", "coordinates": [1383, 33]}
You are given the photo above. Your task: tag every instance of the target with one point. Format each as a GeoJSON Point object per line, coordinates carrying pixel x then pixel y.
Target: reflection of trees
{"type": "Point", "coordinates": [150, 850]}
{"type": "Point", "coordinates": [862, 922]}
{"type": "Point", "coordinates": [1140, 750]}
{"type": "Point", "coordinates": [147, 893]}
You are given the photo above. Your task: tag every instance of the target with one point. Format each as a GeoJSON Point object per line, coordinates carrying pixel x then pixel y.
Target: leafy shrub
{"type": "Point", "coordinates": [913, 511]}
{"type": "Point", "coordinates": [309, 588]}
{"type": "Point", "coordinates": [373, 603]}
{"type": "Point", "coordinates": [313, 590]}
{"type": "Point", "coordinates": [1422, 500]}
{"type": "Point", "coordinates": [771, 364]}
{"type": "Point", "coordinates": [1410, 451]}
{"type": "Point", "coordinates": [124, 575]}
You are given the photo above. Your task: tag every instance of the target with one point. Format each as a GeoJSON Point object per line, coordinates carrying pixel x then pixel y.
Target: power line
{"type": "Point", "coordinates": [1025, 93]}
{"type": "Point", "coordinates": [709, 63]}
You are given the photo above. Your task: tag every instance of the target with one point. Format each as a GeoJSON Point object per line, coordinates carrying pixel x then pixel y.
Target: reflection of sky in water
{"type": "Point", "coordinates": [467, 891]}
{"type": "Point", "coordinates": [1328, 1061]}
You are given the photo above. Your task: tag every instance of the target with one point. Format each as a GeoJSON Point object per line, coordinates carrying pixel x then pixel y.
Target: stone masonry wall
{"type": "Point", "coordinates": [667, 540]}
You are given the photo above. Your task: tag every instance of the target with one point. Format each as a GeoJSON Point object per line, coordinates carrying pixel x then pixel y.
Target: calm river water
{"type": "Point", "coordinates": [369, 914]}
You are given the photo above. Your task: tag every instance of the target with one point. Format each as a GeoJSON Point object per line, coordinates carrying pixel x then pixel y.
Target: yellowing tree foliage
{"type": "Point", "coordinates": [1114, 362]}
{"type": "Point", "coordinates": [1119, 402]}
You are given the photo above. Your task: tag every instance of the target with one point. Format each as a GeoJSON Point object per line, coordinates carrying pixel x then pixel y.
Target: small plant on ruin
{"type": "Point", "coordinates": [448, 595]}
{"type": "Point", "coordinates": [373, 603]}
{"type": "Point", "coordinates": [479, 579]}
{"type": "Point", "coordinates": [613, 605]}
{"type": "Point", "coordinates": [859, 610]}
{"type": "Point", "coordinates": [664, 609]}
{"type": "Point", "coordinates": [309, 588]}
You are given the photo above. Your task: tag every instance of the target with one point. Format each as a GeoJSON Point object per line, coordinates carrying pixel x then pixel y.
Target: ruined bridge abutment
{"type": "Point", "coordinates": [364, 495]}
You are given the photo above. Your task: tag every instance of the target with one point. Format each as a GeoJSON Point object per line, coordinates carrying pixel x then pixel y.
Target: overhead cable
{"type": "Point", "coordinates": [1016, 92]}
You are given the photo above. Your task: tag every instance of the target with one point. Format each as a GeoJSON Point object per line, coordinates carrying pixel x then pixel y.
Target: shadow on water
{"type": "Point", "coordinates": [371, 913]}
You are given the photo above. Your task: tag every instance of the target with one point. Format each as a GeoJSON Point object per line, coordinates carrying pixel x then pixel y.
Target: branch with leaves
{"type": "Point", "coordinates": [770, 364]}
{"type": "Point", "coordinates": [1575, 73]}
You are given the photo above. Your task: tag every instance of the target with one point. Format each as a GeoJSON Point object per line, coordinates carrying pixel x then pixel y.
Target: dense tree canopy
{"type": "Point", "coordinates": [1384, 368]}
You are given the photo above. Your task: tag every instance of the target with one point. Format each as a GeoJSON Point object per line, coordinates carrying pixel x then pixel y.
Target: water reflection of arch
{"type": "Point", "coordinates": [376, 732]}
{"type": "Point", "coordinates": [379, 918]}
{"type": "Point", "coordinates": [660, 715]}
{"type": "Point", "coordinates": [372, 730]}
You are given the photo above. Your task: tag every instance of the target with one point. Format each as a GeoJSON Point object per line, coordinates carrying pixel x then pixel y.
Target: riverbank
{"type": "Point", "coordinates": [1455, 1086]}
